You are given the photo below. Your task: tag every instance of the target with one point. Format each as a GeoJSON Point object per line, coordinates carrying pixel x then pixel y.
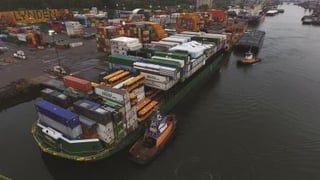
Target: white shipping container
{"type": "Point", "coordinates": [131, 114]}
{"type": "Point", "coordinates": [124, 41]}
{"type": "Point", "coordinates": [140, 97]}
{"type": "Point", "coordinates": [193, 33]}
{"type": "Point", "coordinates": [186, 38]}
{"type": "Point", "coordinates": [138, 90]}
{"type": "Point", "coordinates": [73, 28]}
{"type": "Point", "coordinates": [181, 62]}
{"type": "Point", "coordinates": [127, 107]}
{"type": "Point", "coordinates": [76, 44]}
{"type": "Point", "coordinates": [22, 37]}
{"type": "Point", "coordinates": [163, 70]}
{"type": "Point", "coordinates": [47, 121]}
{"type": "Point", "coordinates": [165, 43]}
{"type": "Point", "coordinates": [117, 95]}
{"type": "Point", "coordinates": [175, 40]}
{"type": "Point", "coordinates": [155, 77]}
{"type": "Point", "coordinates": [161, 86]}
{"type": "Point", "coordinates": [195, 62]}
{"type": "Point", "coordinates": [120, 85]}
{"type": "Point", "coordinates": [134, 47]}
{"type": "Point", "coordinates": [106, 132]}
{"type": "Point", "coordinates": [133, 122]}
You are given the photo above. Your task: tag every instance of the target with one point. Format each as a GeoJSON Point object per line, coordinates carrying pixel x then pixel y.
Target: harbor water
{"type": "Point", "coordinates": [246, 123]}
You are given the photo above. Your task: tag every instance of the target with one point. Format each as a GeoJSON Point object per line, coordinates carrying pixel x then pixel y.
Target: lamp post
{"type": "Point", "coordinates": [53, 34]}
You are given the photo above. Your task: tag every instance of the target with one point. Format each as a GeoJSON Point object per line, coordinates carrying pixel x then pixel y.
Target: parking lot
{"type": "Point", "coordinates": [40, 61]}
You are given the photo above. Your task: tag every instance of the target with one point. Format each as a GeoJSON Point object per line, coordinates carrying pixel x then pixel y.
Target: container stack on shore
{"type": "Point", "coordinates": [122, 45]}
{"type": "Point", "coordinates": [103, 36]}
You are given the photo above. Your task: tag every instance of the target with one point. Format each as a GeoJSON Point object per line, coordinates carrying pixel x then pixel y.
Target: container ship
{"type": "Point", "coordinates": [252, 14]}
{"type": "Point", "coordinates": [88, 121]}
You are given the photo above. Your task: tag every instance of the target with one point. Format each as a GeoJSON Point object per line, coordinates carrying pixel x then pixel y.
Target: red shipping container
{"type": "Point", "coordinates": [218, 14]}
{"type": "Point", "coordinates": [76, 83]}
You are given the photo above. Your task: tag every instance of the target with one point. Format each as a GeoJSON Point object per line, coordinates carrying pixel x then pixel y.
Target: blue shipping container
{"type": "Point", "coordinates": [58, 113]}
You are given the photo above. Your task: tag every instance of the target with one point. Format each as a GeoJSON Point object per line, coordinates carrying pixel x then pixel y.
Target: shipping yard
{"type": "Point", "coordinates": [101, 86]}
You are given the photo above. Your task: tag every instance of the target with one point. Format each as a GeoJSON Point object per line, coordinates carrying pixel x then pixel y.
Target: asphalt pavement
{"type": "Point", "coordinates": [38, 61]}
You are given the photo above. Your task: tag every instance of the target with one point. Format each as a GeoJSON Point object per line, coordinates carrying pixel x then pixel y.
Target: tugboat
{"type": "Point", "coordinates": [248, 59]}
{"type": "Point", "coordinates": [155, 138]}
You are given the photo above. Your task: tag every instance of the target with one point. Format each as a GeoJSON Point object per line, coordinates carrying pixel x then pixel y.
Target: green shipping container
{"type": "Point", "coordinates": [163, 62]}
{"type": "Point", "coordinates": [183, 56]}
{"type": "Point", "coordinates": [122, 59]}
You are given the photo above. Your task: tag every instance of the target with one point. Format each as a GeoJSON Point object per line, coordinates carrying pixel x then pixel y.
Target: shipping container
{"type": "Point", "coordinates": [106, 132]}
{"type": "Point", "coordinates": [68, 131]}
{"type": "Point", "coordinates": [182, 56]}
{"type": "Point", "coordinates": [107, 77]}
{"type": "Point", "coordinates": [56, 97]}
{"type": "Point", "coordinates": [218, 14]}
{"type": "Point", "coordinates": [85, 107]}
{"type": "Point", "coordinates": [117, 95]}
{"type": "Point", "coordinates": [140, 97]}
{"type": "Point", "coordinates": [155, 77]}
{"type": "Point", "coordinates": [77, 83]}
{"type": "Point", "coordinates": [59, 114]}
{"type": "Point", "coordinates": [133, 99]}
{"type": "Point", "coordinates": [161, 86]}
{"type": "Point", "coordinates": [154, 68]}
{"type": "Point", "coordinates": [93, 111]}
{"type": "Point", "coordinates": [89, 127]}
{"type": "Point", "coordinates": [120, 85]}
{"type": "Point", "coordinates": [179, 63]}
{"type": "Point", "coordinates": [117, 115]}
{"type": "Point", "coordinates": [102, 116]}
{"type": "Point", "coordinates": [134, 83]}
{"type": "Point", "coordinates": [118, 78]}
{"type": "Point", "coordinates": [175, 40]}
{"type": "Point", "coordinates": [138, 90]}
{"type": "Point", "coordinates": [74, 28]}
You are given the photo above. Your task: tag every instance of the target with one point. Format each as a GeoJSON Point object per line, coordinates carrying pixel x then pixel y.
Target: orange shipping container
{"type": "Point", "coordinates": [77, 83]}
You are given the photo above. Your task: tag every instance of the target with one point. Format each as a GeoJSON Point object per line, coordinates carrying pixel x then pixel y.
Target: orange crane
{"type": "Point", "coordinates": [34, 39]}
{"type": "Point", "coordinates": [188, 22]}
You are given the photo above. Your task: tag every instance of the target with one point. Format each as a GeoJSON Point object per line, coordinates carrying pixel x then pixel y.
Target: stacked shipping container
{"type": "Point", "coordinates": [60, 119]}
{"type": "Point", "coordinates": [103, 36]}
{"type": "Point", "coordinates": [122, 45]}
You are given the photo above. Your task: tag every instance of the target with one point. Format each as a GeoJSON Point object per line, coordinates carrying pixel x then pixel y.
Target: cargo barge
{"type": "Point", "coordinates": [86, 121]}
{"type": "Point", "coordinates": [251, 40]}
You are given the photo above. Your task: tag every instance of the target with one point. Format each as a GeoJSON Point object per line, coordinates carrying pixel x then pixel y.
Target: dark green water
{"type": "Point", "coordinates": [259, 122]}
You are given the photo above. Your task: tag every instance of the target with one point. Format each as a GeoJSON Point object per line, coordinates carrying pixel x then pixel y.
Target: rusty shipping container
{"type": "Point", "coordinates": [78, 84]}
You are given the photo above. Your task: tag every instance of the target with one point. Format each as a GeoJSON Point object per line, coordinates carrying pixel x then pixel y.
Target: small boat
{"type": "Point", "coordinates": [307, 19]}
{"type": "Point", "coordinates": [272, 12]}
{"type": "Point", "coordinates": [248, 59]}
{"type": "Point", "coordinates": [155, 138]}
